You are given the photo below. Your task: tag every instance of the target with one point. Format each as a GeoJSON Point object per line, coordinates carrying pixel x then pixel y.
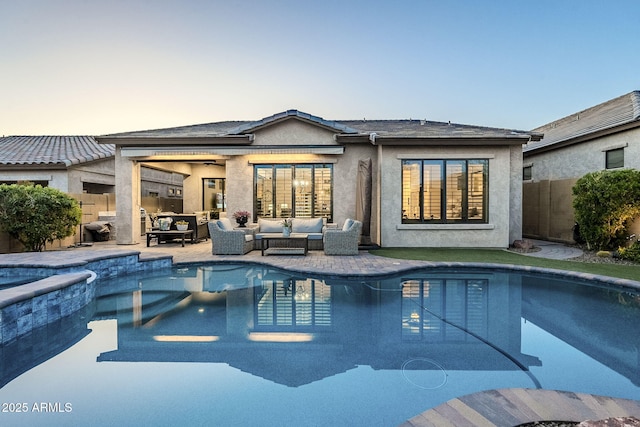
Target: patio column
{"type": "Point", "coordinates": [127, 200]}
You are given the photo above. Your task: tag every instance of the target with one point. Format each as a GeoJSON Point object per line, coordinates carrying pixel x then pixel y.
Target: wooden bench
{"type": "Point", "coordinates": [174, 233]}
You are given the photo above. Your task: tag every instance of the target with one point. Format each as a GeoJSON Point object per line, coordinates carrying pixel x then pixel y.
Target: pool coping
{"type": "Point", "coordinates": [78, 260]}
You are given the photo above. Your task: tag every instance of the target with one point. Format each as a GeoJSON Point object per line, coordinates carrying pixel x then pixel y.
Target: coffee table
{"type": "Point", "coordinates": [296, 244]}
{"type": "Point", "coordinates": [172, 233]}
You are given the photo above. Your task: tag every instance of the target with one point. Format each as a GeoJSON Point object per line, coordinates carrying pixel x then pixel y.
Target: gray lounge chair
{"type": "Point", "coordinates": [344, 241]}
{"type": "Point", "coordinates": [226, 240]}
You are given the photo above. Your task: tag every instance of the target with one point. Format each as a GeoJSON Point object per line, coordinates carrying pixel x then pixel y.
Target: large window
{"type": "Point", "coordinates": [301, 191]}
{"type": "Point", "coordinates": [443, 191]}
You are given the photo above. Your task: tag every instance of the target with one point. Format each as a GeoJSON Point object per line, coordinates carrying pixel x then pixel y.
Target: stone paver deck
{"type": "Point", "coordinates": [515, 406]}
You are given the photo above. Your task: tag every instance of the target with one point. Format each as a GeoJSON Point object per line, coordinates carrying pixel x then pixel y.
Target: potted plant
{"type": "Point", "coordinates": [241, 217]}
{"type": "Point", "coordinates": [286, 227]}
{"type": "Point", "coordinates": [182, 225]}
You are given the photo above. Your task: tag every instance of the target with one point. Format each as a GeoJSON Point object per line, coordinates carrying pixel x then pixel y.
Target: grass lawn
{"type": "Point", "coordinates": [498, 256]}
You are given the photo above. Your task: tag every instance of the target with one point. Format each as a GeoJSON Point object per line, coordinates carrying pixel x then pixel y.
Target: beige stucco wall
{"type": "Point", "coordinates": [515, 193]}
{"type": "Point", "coordinates": [239, 169]}
{"type": "Point", "coordinates": [67, 180]}
{"type": "Point", "coordinates": [128, 201]}
{"type": "Point", "coordinates": [57, 179]}
{"type": "Point", "coordinates": [102, 172]}
{"type": "Point", "coordinates": [494, 234]}
{"type": "Point", "coordinates": [192, 185]}
{"type": "Point", "coordinates": [294, 132]}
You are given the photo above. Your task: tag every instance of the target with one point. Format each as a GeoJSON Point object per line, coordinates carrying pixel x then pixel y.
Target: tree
{"type": "Point", "coordinates": [35, 215]}
{"type": "Point", "coordinates": [605, 204]}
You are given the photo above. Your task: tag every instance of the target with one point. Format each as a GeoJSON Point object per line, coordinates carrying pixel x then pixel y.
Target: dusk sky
{"type": "Point", "coordinates": [94, 67]}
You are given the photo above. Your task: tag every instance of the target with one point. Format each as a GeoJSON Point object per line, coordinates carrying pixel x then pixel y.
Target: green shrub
{"type": "Point", "coordinates": [35, 215]}
{"type": "Point", "coordinates": [605, 204]}
{"type": "Point", "coordinates": [632, 253]}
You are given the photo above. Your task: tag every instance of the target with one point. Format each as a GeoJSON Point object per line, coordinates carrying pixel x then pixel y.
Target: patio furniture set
{"type": "Point", "coordinates": [193, 228]}
{"type": "Point", "coordinates": [268, 237]}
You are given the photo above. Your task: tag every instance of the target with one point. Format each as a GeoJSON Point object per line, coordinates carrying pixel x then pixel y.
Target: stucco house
{"type": "Point", "coordinates": [606, 136]}
{"type": "Point", "coordinates": [414, 183]}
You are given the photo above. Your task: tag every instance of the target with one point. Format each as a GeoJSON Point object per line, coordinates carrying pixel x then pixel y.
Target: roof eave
{"type": "Point", "coordinates": [435, 141]}
{"type": "Point", "coordinates": [31, 165]}
{"type": "Point", "coordinates": [183, 140]}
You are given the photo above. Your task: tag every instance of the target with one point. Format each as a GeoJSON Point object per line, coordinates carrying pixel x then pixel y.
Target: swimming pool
{"type": "Point", "coordinates": [237, 344]}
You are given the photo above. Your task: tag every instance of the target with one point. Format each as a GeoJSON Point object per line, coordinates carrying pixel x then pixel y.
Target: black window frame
{"type": "Point", "coordinates": [315, 210]}
{"type": "Point", "coordinates": [614, 163]}
{"type": "Point", "coordinates": [465, 206]}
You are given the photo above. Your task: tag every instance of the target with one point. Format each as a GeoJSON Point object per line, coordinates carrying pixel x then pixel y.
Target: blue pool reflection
{"type": "Point", "coordinates": [251, 345]}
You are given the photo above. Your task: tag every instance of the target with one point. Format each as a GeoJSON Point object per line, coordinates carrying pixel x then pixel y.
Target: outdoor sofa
{"type": "Point", "coordinates": [313, 227]}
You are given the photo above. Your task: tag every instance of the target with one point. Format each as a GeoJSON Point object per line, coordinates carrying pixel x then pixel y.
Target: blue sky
{"type": "Point", "coordinates": [95, 67]}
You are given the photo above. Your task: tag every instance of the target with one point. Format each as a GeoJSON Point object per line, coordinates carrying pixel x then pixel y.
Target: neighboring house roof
{"type": "Point", "coordinates": [63, 151]}
{"type": "Point", "coordinates": [347, 130]}
{"type": "Point", "coordinates": [613, 116]}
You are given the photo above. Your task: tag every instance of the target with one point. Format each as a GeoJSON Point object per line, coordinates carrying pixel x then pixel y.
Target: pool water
{"type": "Point", "coordinates": [253, 346]}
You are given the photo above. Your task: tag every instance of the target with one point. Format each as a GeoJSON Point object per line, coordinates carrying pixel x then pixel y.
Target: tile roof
{"type": "Point", "coordinates": [396, 128]}
{"type": "Point", "coordinates": [52, 150]}
{"type": "Point", "coordinates": [428, 129]}
{"type": "Point", "coordinates": [581, 126]}
{"type": "Point", "coordinates": [202, 130]}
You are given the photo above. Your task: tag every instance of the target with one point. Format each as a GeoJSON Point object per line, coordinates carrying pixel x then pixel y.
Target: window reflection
{"type": "Point", "coordinates": [461, 302]}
